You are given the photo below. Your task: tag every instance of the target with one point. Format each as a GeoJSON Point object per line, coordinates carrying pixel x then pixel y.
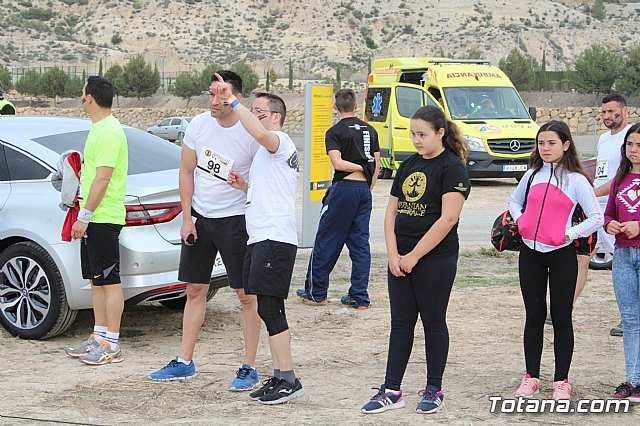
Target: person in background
{"type": "Point", "coordinates": [614, 114]}
{"type": "Point", "coordinates": [6, 107]}
{"type": "Point", "coordinates": [352, 146]}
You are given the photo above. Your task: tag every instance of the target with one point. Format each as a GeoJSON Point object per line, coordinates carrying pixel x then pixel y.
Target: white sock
{"type": "Point", "coordinates": [99, 333]}
{"type": "Point", "coordinates": [112, 339]}
{"type": "Point", "coordinates": [184, 361]}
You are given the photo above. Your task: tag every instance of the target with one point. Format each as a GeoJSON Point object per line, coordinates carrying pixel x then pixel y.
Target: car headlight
{"type": "Point", "coordinates": [475, 144]}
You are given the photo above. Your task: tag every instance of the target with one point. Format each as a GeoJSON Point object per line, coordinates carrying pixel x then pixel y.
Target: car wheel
{"type": "Point", "coordinates": [178, 304]}
{"type": "Point", "coordinates": [180, 137]}
{"type": "Point", "coordinates": [601, 261]}
{"type": "Point", "coordinates": [385, 174]}
{"type": "Point", "coordinates": [33, 302]}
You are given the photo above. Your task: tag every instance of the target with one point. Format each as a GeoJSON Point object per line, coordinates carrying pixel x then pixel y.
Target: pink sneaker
{"type": "Point", "coordinates": [561, 390]}
{"type": "Point", "coordinates": [529, 387]}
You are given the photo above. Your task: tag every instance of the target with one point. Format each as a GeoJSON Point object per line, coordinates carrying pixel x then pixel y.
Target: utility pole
{"type": "Point", "coordinates": [163, 56]}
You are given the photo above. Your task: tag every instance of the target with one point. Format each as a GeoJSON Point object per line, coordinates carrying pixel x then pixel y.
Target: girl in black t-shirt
{"type": "Point", "coordinates": [420, 229]}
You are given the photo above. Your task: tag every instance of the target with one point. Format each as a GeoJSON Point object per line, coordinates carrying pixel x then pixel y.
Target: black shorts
{"type": "Point", "coordinates": [227, 235]}
{"type": "Point", "coordinates": [100, 254]}
{"type": "Point", "coordinates": [268, 267]}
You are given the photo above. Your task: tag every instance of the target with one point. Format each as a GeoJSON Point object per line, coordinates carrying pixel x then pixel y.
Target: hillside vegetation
{"type": "Point", "coordinates": [317, 35]}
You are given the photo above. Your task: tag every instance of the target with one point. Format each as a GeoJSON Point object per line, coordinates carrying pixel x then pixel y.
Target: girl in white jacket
{"type": "Point", "coordinates": [557, 183]}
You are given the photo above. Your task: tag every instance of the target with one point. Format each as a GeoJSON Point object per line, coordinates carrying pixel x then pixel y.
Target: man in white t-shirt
{"type": "Point", "coordinates": [214, 221]}
{"type": "Point", "coordinates": [273, 238]}
{"type": "Point", "coordinates": [614, 116]}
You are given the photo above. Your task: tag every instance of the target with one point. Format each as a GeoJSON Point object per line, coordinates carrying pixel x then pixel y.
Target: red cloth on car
{"type": "Point", "coordinates": [75, 162]}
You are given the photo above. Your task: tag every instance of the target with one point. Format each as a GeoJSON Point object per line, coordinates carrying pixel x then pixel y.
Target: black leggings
{"type": "Point", "coordinates": [560, 268]}
{"type": "Point", "coordinates": [271, 311]}
{"type": "Point", "coordinates": [424, 291]}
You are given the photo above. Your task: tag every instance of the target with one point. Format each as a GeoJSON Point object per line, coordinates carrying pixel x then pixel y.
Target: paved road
{"type": "Point", "coordinates": [474, 228]}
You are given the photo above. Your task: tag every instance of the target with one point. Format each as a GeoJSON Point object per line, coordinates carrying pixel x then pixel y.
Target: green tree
{"type": "Point", "coordinates": [100, 73]}
{"type": "Point", "coordinates": [249, 77]}
{"type": "Point", "coordinates": [598, 11]}
{"type": "Point", "coordinates": [474, 53]}
{"type": "Point", "coordinates": [519, 68]}
{"type": "Point", "coordinates": [543, 71]}
{"type": "Point", "coordinates": [272, 75]}
{"type": "Point", "coordinates": [27, 84]}
{"type": "Point", "coordinates": [206, 74]}
{"type": "Point", "coordinates": [290, 74]}
{"type": "Point", "coordinates": [73, 87]}
{"type": "Point", "coordinates": [5, 78]}
{"type": "Point", "coordinates": [338, 84]}
{"type": "Point", "coordinates": [186, 86]}
{"type": "Point", "coordinates": [139, 80]}
{"type": "Point", "coordinates": [629, 80]}
{"type": "Point", "coordinates": [114, 75]}
{"type": "Point", "coordinates": [266, 82]}
{"type": "Point", "coordinates": [52, 82]}
{"type": "Point", "coordinates": [597, 68]}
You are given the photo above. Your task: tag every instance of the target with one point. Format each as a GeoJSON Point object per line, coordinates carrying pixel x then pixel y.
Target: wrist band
{"type": "Point", "coordinates": [233, 101]}
{"type": "Point", "coordinates": [84, 216]}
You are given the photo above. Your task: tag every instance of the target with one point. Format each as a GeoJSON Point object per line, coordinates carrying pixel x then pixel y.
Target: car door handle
{"type": "Point", "coordinates": [400, 128]}
{"type": "Point", "coordinates": [386, 127]}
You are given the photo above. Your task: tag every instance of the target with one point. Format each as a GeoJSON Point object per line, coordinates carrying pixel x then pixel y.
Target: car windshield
{"type": "Point", "coordinates": [488, 103]}
{"type": "Point", "coordinates": [147, 153]}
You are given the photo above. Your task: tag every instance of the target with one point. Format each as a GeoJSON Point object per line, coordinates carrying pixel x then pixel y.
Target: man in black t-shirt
{"type": "Point", "coordinates": [352, 146]}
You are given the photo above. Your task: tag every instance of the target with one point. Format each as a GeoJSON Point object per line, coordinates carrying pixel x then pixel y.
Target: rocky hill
{"type": "Point", "coordinates": [187, 34]}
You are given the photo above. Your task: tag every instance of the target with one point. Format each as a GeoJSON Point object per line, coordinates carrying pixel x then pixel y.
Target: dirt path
{"type": "Point", "coordinates": [339, 354]}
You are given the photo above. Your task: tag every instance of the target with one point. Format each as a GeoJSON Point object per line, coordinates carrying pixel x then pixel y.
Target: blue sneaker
{"type": "Point", "coordinates": [174, 371]}
{"type": "Point", "coordinates": [246, 379]}
{"type": "Point", "coordinates": [347, 300]}
{"type": "Point", "coordinates": [384, 400]}
{"type": "Point", "coordinates": [432, 400]}
{"type": "Point", "coordinates": [301, 292]}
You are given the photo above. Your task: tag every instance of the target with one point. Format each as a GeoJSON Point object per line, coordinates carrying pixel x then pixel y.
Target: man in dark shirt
{"type": "Point", "coordinates": [352, 146]}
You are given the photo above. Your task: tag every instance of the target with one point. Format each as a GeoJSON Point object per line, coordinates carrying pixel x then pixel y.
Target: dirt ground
{"type": "Point", "coordinates": [339, 354]}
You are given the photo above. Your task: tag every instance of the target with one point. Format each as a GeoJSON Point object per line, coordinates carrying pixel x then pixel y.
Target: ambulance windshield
{"type": "Point", "coordinates": [488, 103]}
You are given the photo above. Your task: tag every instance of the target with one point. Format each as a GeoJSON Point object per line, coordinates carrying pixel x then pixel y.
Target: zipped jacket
{"type": "Point", "coordinates": [552, 198]}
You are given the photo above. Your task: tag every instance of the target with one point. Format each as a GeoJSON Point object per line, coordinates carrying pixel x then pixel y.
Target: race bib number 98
{"type": "Point", "coordinates": [217, 165]}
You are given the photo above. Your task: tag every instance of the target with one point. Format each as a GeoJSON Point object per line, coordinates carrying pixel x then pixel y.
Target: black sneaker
{"type": "Point", "coordinates": [282, 392]}
{"type": "Point", "coordinates": [267, 385]}
{"type": "Point", "coordinates": [617, 331]}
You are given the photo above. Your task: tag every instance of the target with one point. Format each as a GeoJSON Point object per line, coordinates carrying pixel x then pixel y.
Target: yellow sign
{"type": "Point", "coordinates": [321, 120]}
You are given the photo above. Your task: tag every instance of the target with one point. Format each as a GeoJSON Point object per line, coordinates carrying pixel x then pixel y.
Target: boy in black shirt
{"type": "Point", "coordinates": [352, 146]}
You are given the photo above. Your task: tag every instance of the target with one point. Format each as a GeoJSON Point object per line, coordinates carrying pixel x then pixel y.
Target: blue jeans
{"type": "Point", "coordinates": [626, 285]}
{"type": "Point", "coordinates": [346, 211]}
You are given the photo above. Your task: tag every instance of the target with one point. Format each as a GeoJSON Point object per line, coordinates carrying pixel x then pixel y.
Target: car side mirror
{"type": "Point", "coordinates": [533, 113]}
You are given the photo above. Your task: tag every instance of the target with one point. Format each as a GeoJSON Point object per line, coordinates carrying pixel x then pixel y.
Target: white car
{"type": "Point", "coordinates": [171, 128]}
{"type": "Point", "coordinates": [41, 285]}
